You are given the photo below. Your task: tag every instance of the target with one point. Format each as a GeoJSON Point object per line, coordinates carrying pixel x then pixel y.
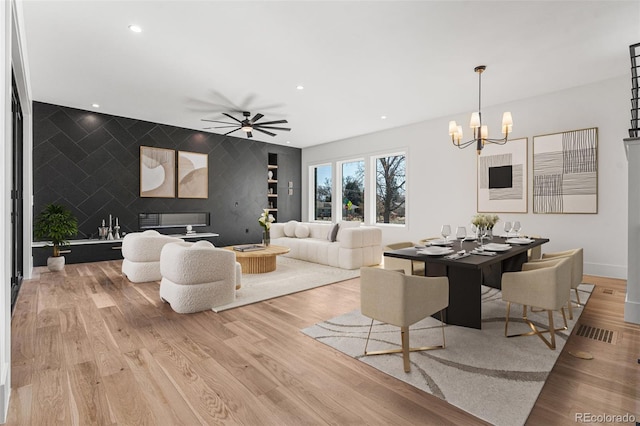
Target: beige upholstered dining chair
{"type": "Point", "coordinates": [536, 252]}
{"type": "Point", "coordinates": [401, 300]}
{"type": "Point", "coordinates": [410, 267]}
{"type": "Point", "coordinates": [577, 266]}
{"type": "Point", "coordinates": [543, 284]}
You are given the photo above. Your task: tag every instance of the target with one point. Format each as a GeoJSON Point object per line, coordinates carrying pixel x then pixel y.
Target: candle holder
{"type": "Point", "coordinates": [117, 233]}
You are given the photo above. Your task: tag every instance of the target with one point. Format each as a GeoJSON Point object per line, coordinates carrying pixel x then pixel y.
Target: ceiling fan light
{"type": "Point", "coordinates": [247, 129]}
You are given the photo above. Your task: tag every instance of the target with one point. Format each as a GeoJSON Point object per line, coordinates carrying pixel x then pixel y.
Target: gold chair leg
{"type": "Point", "coordinates": [535, 331]}
{"type": "Point", "coordinates": [368, 335]}
{"type": "Point", "coordinates": [404, 332]}
{"type": "Point", "coordinates": [578, 296]}
{"type": "Point", "coordinates": [406, 349]}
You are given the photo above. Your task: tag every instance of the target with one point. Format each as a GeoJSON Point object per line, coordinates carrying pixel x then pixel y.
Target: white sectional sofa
{"type": "Point", "coordinates": [349, 246]}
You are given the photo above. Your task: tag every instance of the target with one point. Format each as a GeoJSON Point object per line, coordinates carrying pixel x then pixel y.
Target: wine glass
{"type": "Point", "coordinates": [517, 227]}
{"type": "Point", "coordinates": [461, 234]}
{"type": "Point", "coordinates": [507, 228]}
{"type": "Point", "coordinates": [445, 231]}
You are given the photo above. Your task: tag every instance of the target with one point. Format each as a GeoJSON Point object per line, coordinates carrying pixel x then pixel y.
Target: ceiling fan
{"type": "Point", "coordinates": [248, 125]}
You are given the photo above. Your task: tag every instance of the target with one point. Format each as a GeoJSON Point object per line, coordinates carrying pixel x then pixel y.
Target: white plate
{"type": "Point", "coordinates": [519, 241]}
{"type": "Point", "coordinates": [469, 238]}
{"type": "Point", "coordinates": [435, 251]}
{"type": "Point", "coordinates": [440, 242]}
{"type": "Point", "coordinates": [496, 247]}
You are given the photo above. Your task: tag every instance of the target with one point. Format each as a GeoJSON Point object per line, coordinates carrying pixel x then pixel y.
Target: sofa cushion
{"type": "Point", "coordinates": [290, 228]}
{"type": "Point", "coordinates": [333, 232]}
{"type": "Point", "coordinates": [302, 231]}
{"type": "Point", "coordinates": [345, 224]}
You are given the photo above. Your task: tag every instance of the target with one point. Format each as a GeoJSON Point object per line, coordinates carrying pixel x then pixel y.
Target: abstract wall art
{"type": "Point", "coordinates": [565, 172]}
{"type": "Point", "coordinates": [193, 175]}
{"type": "Point", "coordinates": [157, 172]}
{"type": "Point", "coordinates": [502, 177]}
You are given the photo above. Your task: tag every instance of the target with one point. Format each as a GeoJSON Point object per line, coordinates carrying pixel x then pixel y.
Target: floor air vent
{"type": "Point", "coordinates": [595, 333]}
{"type": "Point", "coordinates": [607, 291]}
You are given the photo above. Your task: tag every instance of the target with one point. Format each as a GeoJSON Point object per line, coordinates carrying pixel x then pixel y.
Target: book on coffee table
{"type": "Point", "coordinates": [249, 247]}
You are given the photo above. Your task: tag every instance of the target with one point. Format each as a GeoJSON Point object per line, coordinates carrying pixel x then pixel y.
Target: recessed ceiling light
{"type": "Point", "coordinates": [95, 105]}
{"type": "Point", "coordinates": [383, 117]}
{"type": "Point", "coordinates": [288, 142]}
{"type": "Point", "coordinates": [135, 28]}
{"type": "Point", "coordinates": [300, 87]}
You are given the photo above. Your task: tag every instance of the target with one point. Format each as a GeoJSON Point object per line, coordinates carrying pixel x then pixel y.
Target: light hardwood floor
{"type": "Point", "coordinates": [89, 347]}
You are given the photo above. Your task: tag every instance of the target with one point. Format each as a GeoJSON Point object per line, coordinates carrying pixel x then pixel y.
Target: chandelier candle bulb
{"type": "Point", "coordinates": [484, 132]}
{"type": "Point", "coordinates": [459, 133]}
{"type": "Point", "coordinates": [453, 128]}
{"type": "Point", "coordinates": [475, 120]}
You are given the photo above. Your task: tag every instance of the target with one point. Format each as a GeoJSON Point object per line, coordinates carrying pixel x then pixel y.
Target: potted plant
{"type": "Point", "coordinates": [56, 223]}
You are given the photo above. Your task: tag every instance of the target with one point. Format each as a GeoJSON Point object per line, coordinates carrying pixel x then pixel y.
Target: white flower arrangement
{"type": "Point", "coordinates": [485, 220]}
{"type": "Point", "coordinates": [266, 219]}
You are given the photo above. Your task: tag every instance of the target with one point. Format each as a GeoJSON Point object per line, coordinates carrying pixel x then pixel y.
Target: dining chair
{"type": "Point", "coordinates": [534, 253]}
{"type": "Point", "coordinates": [577, 266]}
{"type": "Point", "coordinates": [402, 300]}
{"type": "Point", "coordinates": [410, 267]}
{"type": "Point", "coordinates": [543, 284]}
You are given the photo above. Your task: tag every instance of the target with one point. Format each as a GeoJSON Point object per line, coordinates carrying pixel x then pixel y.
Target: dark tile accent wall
{"type": "Point", "coordinates": [90, 162]}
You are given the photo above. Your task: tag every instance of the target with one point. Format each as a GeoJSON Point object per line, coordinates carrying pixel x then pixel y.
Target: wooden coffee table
{"type": "Point", "coordinates": [259, 261]}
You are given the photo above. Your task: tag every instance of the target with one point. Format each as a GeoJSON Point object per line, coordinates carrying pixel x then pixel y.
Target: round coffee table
{"type": "Point", "coordinates": [258, 261]}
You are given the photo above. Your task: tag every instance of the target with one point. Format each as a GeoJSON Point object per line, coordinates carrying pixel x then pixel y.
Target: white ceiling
{"type": "Point", "coordinates": [357, 60]}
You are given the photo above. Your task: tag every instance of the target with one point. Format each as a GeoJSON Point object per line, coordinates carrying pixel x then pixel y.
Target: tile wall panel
{"type": "Point", "coordinates": [90, 162]}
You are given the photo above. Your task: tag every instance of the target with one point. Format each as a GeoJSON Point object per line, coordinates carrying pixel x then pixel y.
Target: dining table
{"type": "Point", "coordinates": [468, 274]}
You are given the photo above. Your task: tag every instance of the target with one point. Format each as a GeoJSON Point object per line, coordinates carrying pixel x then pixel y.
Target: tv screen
{"type": "Point", "coordinates": [172, 220]}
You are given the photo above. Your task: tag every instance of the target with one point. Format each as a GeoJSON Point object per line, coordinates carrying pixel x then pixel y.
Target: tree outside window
{"type": "Point", "coordinates": [390, 189]}
{"type": "Point", "coordinates": [322, 189]}
{"type": "Point", "coordinates": [353, 191]}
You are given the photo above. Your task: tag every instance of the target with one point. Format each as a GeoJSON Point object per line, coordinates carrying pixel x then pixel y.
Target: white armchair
{"type": "Point", "coordinates": [141, 252]}
{"type": "Point", "coordinates": [410, 267]}
{"type": "Point", "coordinates": [198, 276]}
{"type": "Point", "coordinates": [401, 300]}
{"type": "Point", "coordinates": [543, 284]}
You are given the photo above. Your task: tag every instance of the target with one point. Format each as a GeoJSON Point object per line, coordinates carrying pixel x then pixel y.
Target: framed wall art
{"type": "Point", "coordinates": [565, 172]}
{"type": "Point", "coordinates": [193, 175]}
{"type": "Point", "coordinates": [157, 172]}
{"type": "Point", "coordinates": [502, 177]}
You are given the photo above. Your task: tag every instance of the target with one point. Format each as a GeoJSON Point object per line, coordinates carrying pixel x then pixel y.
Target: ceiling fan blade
{"type": "Point", "coordinates": [256, 117]}
{"type": "Point", "coordinates": [286, 129]}
{"type": "Point", "coordinates": [249, 135]}
{"type": "Point", "coordinates": [224, 127]}
{"type": "Point", "coordinates": [216, 121]}
{"type": "Point", "coordinates": [274, 122]}
{"type": "Point", "coordinates": [232, 117]}
{"type": "Point", "coordinates": [231, 131]}
{"type": "Point", "coordinates": [264, 131]}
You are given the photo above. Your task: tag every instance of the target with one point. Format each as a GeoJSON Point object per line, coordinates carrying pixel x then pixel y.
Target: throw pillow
{"type": "Point", "coordinates": [333, 232]}
{"type": "Point", "coordinates": [302, 231]}
{"type": "Point", "coordinates": [290, 228]}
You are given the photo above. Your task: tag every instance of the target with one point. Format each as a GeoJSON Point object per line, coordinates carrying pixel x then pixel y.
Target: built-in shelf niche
{"type": "Point", "coordinates": [272, 184]}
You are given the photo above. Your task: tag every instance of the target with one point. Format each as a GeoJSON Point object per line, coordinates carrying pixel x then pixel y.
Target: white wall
{"type": "Point", "coordinates": [441, 180]}
{"type": "Point", "coordinates": [13, 53]}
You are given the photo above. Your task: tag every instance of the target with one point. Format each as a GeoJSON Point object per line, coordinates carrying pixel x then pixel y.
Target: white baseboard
{"type": "Point", "coordinates": [5, 391]}
{"type": "Point", "coordinates": [632, 312]}
{"type": "Point", "coordinates": [604, 270]}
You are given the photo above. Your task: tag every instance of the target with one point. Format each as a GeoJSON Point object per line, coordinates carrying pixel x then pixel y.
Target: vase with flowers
{"type": "Point", "coordinates": [484, 224]}
{"type": "Point", "coordinates": [265, 220]}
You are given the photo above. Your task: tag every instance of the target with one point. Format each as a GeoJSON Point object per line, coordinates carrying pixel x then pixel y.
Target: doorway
{"type": "Point", "coordinates": [17, 217]}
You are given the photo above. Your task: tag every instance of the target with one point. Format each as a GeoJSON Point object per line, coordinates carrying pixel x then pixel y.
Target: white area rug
{"type": "Point", "coordinates": [290, 276]}
{"type": "Point", "coordinates": [482, 372]}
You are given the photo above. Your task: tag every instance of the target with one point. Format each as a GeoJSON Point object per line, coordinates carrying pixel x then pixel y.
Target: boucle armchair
{"type": "Point", "coordinates": [401, 300]}
{"type": "Point", "coordinates": [141, 252]}
{"type": "Point", "coordinates": [545, 285]}
{"type": "Point", "coordinates": [577, 267]}
{"type": "Point", "coordinates": [198, 276]}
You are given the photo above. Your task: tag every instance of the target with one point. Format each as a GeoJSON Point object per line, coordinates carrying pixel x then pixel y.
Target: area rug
{"type": "Point", "coordinates": [495, 378]}
{"type": "Point", "coordinates": [290, 276]}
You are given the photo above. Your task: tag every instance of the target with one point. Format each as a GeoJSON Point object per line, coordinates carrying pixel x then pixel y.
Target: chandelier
{"type": "Point", "coordinates": [480, 131]}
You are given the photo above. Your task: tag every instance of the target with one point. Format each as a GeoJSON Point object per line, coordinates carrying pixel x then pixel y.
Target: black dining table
{"type": "Point", "coordinates": [468, 274]}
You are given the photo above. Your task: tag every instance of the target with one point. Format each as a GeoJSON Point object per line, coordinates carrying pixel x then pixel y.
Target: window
{"type": "Point", "coordinates": [353, 202]}
{"type": "Point", "coordinates": [390, 189]}
{"type": "Point", "coordinates": [322, 192]}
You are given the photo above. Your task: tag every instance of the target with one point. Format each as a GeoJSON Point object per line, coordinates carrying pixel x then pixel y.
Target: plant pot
{"type": "Point", "coordinates": [55, 263]}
